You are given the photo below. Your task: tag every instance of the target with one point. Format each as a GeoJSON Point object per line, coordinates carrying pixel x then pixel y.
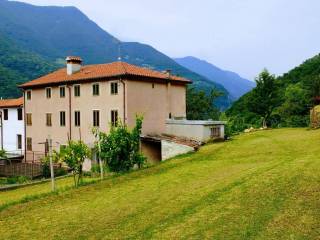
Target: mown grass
{"type": "Point", "coordinates": [263, 185]}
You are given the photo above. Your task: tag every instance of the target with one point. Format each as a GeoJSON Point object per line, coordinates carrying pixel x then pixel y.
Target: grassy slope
{"type": "Point", "coordinates": [264, 185]}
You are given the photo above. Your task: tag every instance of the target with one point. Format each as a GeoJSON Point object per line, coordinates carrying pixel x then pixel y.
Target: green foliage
{"type": "Point", "coordinates": [120, 149]}
{"type": "Point", "coordinates": [74, 155]}
{"type": "Point", "coordinates": [39, 40]}
{"type": "Point", "coordinates": [3, 153]}
{"type": "Point", "coordinates": [200, 105]}
{"type": "Point", "coordinates": [17, 66]}
{"type": "Point", "coordinates": [284, 101]}
{"type": "Point", "coordinates": [17, 180]}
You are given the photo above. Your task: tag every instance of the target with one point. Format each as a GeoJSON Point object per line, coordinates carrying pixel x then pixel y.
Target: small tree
{"type": "Point", "coordinates": [3, 154]}
{"type": "Point", "coordinates": [74, 155]}
{"type": "Point", "coordinates": [120, 149]}
{"type": "Point", "coordinates": [201, 105]}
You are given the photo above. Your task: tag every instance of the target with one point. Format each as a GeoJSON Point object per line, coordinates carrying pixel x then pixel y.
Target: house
{"type": "Point", "coordinates": [12, 126]}
{"type": "Point", "coordinates": [69, 102]}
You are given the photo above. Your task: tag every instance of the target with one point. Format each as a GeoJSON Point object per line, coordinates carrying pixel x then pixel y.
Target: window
{"type": "Point", "coordinates": [19, 112]}
{"type": "Point", "coordinates": [96, 118]}
{"type": "Point", "coordinates": [29, 119]}
{"type": "Point", "coordinates": [62, 147]}
{"type": "Point", "coordinates": [76, 90]}
{"type": "Point", "coordinates": [62, 92]}
{"type": "Point", "coordinates": [29, 144]}
{"type": "Point", "coordinates": [62, 119]}
{"type": "Point", "coordinates": [19, 141]}
{"type": "Point", "coordinates": [48, 92]}
{"type": "Point", "coordinates": [49, 119]}
{"type": "Point", "coordinates": [152, 85]}
{"type": "Point", "coordinates": [29, 95]}
{"type": "Point", "coordinates": [95, 89]}
{"type": "Point", "coordinates": [5, 114]}
{"type": "Point", "coordinates": [215, 132]}
{"type": "Point", "coordinates": [114, 117]}
{"type": "Point", "coordinates": [77, 118]}
{"type": "Point", "coordinates": [114, 88]}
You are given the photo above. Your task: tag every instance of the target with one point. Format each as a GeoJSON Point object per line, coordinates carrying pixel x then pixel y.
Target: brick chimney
{"type": "Point", "coordinates": [73, 64]}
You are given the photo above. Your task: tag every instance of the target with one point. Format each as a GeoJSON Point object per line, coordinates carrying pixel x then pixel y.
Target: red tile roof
{"type": "Point", "coordinates": [7, 103]}
{"type": "Point", "coordinates": [115, 69]}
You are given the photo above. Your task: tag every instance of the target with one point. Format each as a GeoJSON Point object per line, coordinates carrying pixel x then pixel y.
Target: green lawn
{"type": "Point", "coordinates": [263, 185]}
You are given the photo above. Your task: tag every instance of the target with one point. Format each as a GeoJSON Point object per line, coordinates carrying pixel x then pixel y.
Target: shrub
{"type": "Point", "coordinates": [120, 149]}
{"type": "Point", "coordinates": [74, 155]}
{"type": "Point", "coordinates": [17, 180]}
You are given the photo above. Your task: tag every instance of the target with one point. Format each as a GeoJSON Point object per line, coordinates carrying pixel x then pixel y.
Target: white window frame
{"type": "Point", "coordinates": [62, 86]}
{"type": "Point", "coordinates": [74, 91]}
{"type": "Point", "coordinates": [110, 118]}
{"type": "Point", "coordinates": [28, 91]}
{"type": "Point", "coordinates": [47, 92]}
{"type": "Point", "coordinates": [99, 117]}
{"type": "Point", "coordinates": [114, 94]}
{"type": "Point", "coordinates": [96, 83]}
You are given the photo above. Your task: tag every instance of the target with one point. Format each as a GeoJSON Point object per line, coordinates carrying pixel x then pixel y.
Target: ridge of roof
{"type": "Point", "coordinates": [95, 71]}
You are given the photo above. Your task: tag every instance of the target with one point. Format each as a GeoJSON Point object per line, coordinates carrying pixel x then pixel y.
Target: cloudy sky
{"type": "Point", "coordinates": [239, 35]}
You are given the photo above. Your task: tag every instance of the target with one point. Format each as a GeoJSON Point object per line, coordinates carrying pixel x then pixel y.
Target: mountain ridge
{"type": "Point", "coordinates": [233, 82]}
{"type": "Point", "coordinates": [55, 32]}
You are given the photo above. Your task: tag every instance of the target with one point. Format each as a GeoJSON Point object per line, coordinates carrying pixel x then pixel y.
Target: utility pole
{"type": "Point", "coordinates": [51, 164]}
{"type": "Point", "coordinates": [99, 153]}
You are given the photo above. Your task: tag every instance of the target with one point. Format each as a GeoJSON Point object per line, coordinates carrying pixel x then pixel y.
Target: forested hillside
{"type": "Point", "coordinates": [52, 33]}
{"type": "Point", "coordinates": [17, 66]}
{"type": "Point", "coordinates": [283, 101]}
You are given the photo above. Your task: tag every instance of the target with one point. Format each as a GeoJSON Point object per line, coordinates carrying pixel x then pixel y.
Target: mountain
{"type": "Point", "coordinates": [51, 33]}
{"type": "Point", "coordinates": [295, 93]}
{"type": "Point", "coordinates": [17, 66]}
{"type": "Point", "coordinates": [236, 85]}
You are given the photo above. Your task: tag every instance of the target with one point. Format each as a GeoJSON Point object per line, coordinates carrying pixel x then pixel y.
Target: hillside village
{"type": "Point", "coordinates": [102, 138]}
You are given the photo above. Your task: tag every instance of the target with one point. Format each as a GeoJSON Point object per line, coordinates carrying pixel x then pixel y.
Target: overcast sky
{"type": "Point", "coordinates": [239, 35]}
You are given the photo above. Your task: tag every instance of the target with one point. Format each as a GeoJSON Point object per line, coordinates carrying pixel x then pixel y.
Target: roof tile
{"type": "Point", "coordinates": [100, 71]}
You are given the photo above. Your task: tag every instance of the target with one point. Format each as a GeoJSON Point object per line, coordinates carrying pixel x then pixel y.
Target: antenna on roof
{"type": "Point", "coordinates": [119, 52]}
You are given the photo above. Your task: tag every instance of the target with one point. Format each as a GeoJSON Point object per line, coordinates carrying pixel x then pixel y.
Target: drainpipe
{"type": "Point", "coordinates": [24, 126]}
{"type": "Point", "coordinates": [70, 114]}
{"type": "Point", "coordinates": [124, 100]}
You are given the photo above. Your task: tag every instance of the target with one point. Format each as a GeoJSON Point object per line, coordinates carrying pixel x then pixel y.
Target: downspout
{"type": "Point", "coordinates": [70, 134]}
{"type": "Point", "coordinates": [24, 126]}
{"type": "Point", "coordinates": [124, 100]}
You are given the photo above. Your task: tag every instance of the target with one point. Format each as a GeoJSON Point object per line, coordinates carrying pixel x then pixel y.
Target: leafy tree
{"type": "Point", "coordinates": [294, 111]}
{"type": "Point", "coordinates": [264, 96]}
{"type": "Point", "coordinates": [201, 106]}
{"type": "Point", "coordinates": [74, 155]}
{"type": "Point", "coordinates": [120, 148]}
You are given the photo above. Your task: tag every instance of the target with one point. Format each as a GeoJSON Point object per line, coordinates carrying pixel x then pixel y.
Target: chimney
{"type": "Point", "coordinates": [167, 72]}
{"type": "Point", "coordinates": [73, 64]}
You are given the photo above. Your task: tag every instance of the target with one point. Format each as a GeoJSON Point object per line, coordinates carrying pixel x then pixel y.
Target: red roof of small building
{"type": "Point", "coordinates": [9, 103]}
{"type": "Point", "coordinates": [91, 72]}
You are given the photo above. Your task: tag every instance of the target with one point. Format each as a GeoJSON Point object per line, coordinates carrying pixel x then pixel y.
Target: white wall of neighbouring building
{"type": "Point", "coordinates": [11, 128]}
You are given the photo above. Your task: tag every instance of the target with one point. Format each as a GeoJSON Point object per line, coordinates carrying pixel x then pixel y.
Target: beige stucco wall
{"type": "Point", "coordinates": [154, 104]}
{"type": "Point", "coordinates": [39, 105]}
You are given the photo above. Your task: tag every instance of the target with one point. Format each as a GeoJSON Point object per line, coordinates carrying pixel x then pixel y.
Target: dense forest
{"type": "Point", "coordinates": [283, 101]}
{"type": "Point", "coordinates": [18, 66]}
